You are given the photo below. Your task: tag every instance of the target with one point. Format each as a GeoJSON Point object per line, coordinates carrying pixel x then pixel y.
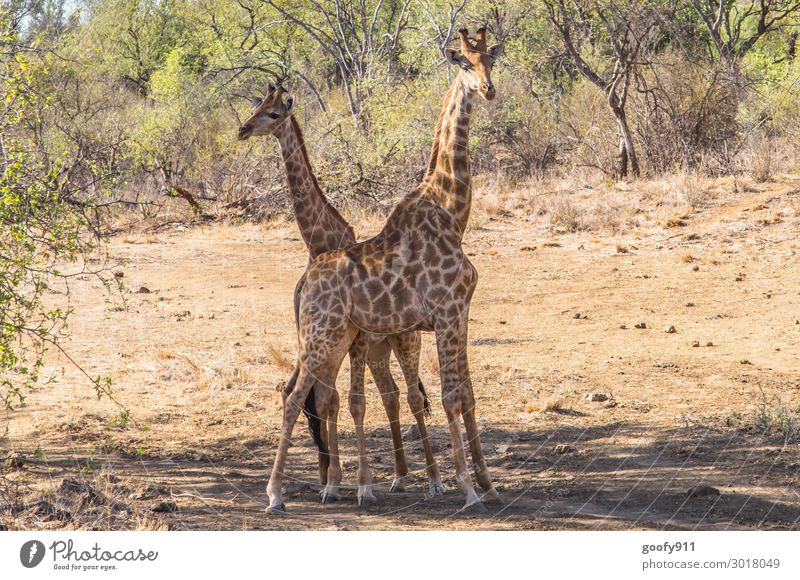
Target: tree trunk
{"type": "Point", "coordinates": [627, 151]}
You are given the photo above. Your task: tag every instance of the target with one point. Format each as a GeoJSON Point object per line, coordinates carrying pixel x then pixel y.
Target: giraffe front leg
{"type": "Point", "coordinates": [378, 359]}
{"type": "Point", "coordinates": [358, 359]}
{"type": "Point", "coordinates": [451, 348]}
{"type": "Point", "coordinates": [476, 449]}
{"type": "Point", "coordinates": [291, 410]}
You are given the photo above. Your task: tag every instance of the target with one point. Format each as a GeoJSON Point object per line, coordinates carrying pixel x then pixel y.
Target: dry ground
{"type": "Point", "coordinates": [566, 274]}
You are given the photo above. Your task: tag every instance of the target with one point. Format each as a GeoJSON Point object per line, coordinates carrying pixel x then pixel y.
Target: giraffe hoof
{"type": "Point", "coordinates": [277, 510]}
{"type": "Point", "coordinates": [491, 496]}
{"type": "Point", "coordinates": [366, 500]}
{"type": "Point", "coordinates": [397, 486]}
{"type": "Point", "coordinates": [328, 497]}
{"type": "Point", "coordinates": [436, 490]}
{"type": "Point", "coordinates": [474, 509]}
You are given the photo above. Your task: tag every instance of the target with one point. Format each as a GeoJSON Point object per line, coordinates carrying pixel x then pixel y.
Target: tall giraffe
{"type": "Point", "coordinates": [413, 275]}
{"type": "Point", "coordinates": [323, 228]}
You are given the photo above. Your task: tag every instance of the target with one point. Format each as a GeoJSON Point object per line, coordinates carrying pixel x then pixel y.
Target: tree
{"type": "Point", "coordinates": [357, 35]}
{"type": "Point", "coordinates": [735, 26]}
{"type": "Point", "coordinates": [49, 177]}
{"type": "Point", "coordinates": [610, 33]}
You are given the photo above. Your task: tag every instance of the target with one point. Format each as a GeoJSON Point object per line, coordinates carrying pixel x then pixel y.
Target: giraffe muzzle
{"type": "Point", "coordinates": [244, 132]}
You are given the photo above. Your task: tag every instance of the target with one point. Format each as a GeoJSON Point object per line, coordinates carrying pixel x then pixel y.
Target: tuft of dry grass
{"type": "Point", "coordinates": [564, 215]}
{"type": "Point", "coordinates": [691, 189]}
{"type": "Point", "coordinates": [676, 221]}
{"type": "Point", "coordinates": [761, 162]}
{"type": "Point", "coordinates": [429, 361]}
{"type": "Point", "coordinates": [278, 358]}
{"type": "Point", "coordinates": [554, 404]}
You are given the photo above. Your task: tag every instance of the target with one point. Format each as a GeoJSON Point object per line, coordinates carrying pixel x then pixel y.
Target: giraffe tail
{"type": "Point", "coordinates": [427, 404]}
{"type": "Point", "coordinates": [314, 423]}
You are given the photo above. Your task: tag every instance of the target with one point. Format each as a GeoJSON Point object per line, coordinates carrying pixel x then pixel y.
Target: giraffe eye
{"type": "Point", "coordinates": [466, 65]}
{"type": "Point", "coordinates": [273, 115]}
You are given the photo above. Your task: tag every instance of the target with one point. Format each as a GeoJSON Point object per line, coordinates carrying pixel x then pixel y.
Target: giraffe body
{"type": "Point", "coordinates": [412, 276]}
{"type": "Point", "coordinates": [323, 229]}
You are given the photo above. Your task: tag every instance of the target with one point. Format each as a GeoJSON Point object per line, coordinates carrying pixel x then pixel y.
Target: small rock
{"type": "Point", "coordinates": [640, 325]}
{"type": "Point", "coordinates": [702, 491]}
{"type": "Point", "coordinates": [740, 278]}
{"type": "Point", "coordinates": [412, 433]}
{"type": "Point", "coordinates": [744, 361]}
{"type": "Point", "coordinates": [623, 327]}
{"type": "Point", "coordinates": [46, 510]}
{"type": "Point", "coordinates": [695, 268]}
{"type": "Point", "coordinates": [610, 404]}
{"type": "Point", "coordinates": [597, 397]}
{"type": "Point", "coordinates": [709, 343]}
{"type": "Point", "coordinates": [563, 448]}
{"type": "Point", "coordinates": [695, 344]}
{"type": "Point", "coordinates": [527, 249]}
{"type": "Point", "coordinates": [237, 343]}
{"type": "Point", "coordinates": [690, 305]}
{"type": "Point", "coordinates": [14, 460]}
{"type": "Point", "coordinates": [119, 274]}
{"type": "Point", "coordinates": [578, 316]}
{"type": "Point", "coordinates": [165, 507]}
{"type": "Point", "coordinates": [670, 329]}
{"type": "Point", "coordinates": [143, 290]}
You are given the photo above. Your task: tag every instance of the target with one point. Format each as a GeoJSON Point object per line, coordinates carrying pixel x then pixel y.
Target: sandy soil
{"type": "Point", "coordinates": [199, 360]}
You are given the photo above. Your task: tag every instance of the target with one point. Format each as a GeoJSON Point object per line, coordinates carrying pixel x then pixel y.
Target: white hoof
{"type": "Point", "coordinates": [329, 494]}
{"type": "Point", "coordinates": [436, 489]}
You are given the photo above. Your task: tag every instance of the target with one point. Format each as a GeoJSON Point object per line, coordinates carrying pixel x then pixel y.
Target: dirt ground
{"type": "Point", "coordinates": [706, 394]}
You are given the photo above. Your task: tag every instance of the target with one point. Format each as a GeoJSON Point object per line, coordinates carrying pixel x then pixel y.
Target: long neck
{"type": "Point", "coordinates": [448, 178]}
{"type": "Point", "coordinates": [323, 228]}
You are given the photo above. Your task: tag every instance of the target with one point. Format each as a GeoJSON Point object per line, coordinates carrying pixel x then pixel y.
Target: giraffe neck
{"type": "Point", "coordinates": [323, 228]}
{"type": "Point", "coordinates": [448, 178]}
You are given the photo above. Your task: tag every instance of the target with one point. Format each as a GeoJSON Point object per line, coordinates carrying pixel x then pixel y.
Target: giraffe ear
{"type": "Point", "coordinates": [257, 102]}
{"type": "Point", "coordinates": [453, 56]}
{"type": "Point", "coordinates": [497, 51]}
{"type": "Point", "coordinates": [289, 103]}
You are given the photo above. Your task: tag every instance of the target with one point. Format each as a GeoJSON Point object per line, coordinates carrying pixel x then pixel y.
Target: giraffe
{"type": "Point", "coordinates": [323, 228]}
{"type": "Point", "coordinates": [360, 288]}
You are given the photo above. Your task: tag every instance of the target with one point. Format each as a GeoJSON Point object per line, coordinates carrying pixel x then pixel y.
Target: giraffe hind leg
{"type": "Point", "coordinates": [406, 349]}
{"type": "Point", "coordinates": [378, 359]}
{"type": "Point", "coordinates": [358, 359]}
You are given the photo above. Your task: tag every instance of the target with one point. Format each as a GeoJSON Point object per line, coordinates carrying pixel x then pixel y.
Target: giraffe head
{"type": "Point", "coordinates": [476, 61]}
{"type": "Point", "coordinates": [268, 113]}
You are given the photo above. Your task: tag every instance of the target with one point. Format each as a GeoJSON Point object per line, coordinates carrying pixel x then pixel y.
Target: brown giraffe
{"type": "Point", "coordinates": [323, 229]}
{"type": "Point", "coordinates": [412, 276]}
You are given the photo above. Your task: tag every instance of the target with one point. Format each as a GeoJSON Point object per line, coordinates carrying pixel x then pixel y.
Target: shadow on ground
{"type": "Point", "coordinates": [616, 476]}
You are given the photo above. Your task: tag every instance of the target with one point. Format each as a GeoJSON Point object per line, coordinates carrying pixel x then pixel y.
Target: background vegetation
{"type": "Point", "coordinates": [113, 107]}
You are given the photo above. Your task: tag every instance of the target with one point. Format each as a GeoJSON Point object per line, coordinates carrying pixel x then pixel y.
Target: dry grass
{"type": "Point", "coordinates": [279, 359]}
{"type": "Point", "coordinates": [564, 214]}
{"type": "Point", "coordinates": [761, 163]}
{"type": "Point", "coordinates": [553, 405]}
{"type": "Point", "coordinates": [676, 221]}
